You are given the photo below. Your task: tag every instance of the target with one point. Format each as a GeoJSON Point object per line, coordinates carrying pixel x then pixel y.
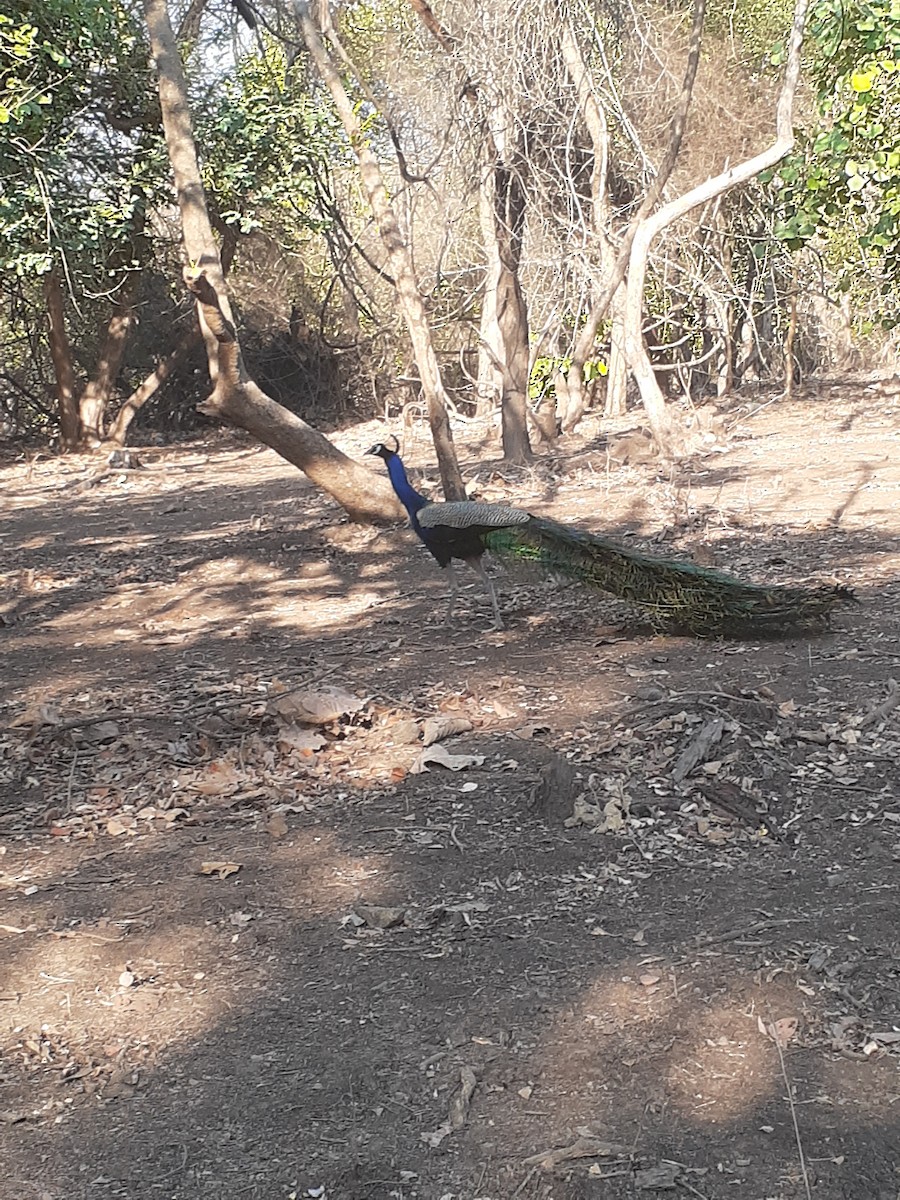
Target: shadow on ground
{"type": "Point", "coordinates": [447, 984]}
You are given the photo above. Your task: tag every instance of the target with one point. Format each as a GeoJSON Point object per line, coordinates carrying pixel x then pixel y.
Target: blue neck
{"type": "Point", "coordinates": [411, 500]}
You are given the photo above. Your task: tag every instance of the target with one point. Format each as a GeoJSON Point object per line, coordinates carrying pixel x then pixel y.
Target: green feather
{"type": "Point", "coordinates": [676, 595]}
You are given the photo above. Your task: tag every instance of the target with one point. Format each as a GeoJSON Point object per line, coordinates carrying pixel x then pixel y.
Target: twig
{"type": "Point", "coordinates": [883, 710]}
{"type": "Point", "coordinates": [208, 709]}
{"type": "Point", "coordinates": [790, 1096]}
{"type": "Point", "coordinates": [524, 1183]}
{"type": "Point", "coordinates": [682, 1182]}
{"type": "Point", "coordinates": [732, 935]}
{"type": "Point", "coordinates": [178, 1170]}
{"type": "Point", "coordinates": [71, 782]}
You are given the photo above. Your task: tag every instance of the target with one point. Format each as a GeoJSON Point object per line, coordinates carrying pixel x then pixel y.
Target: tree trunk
{"type": "Point", "coordinates": [791, 335]}
{"type": "Point", "coordinates": [617, 378]}
{"type": "Point", "coordinates": [61, 354]}
{"type": "Point", "coordinates": [364, 495]}
{"type": "Point", "coordinates": [489, 383]}
{"type": "Point", "coordinates": [584, 347]}
{"type": "Point", "coordinates": [154, 381]}
{"type": "Point", "coordinates": [506, 328]}
{"type": "Point", "coordinates": [654, 402]}
{"type": "Point", "coordinates": [503, 353]}
{"type": "Point", "coordinates": [601, 217]}
{"type": "Point", "coordinates": [95, 397]}
{"type": "Point", "coordinates": [399, 257]}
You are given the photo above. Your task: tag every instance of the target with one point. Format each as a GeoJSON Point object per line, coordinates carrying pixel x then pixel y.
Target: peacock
{"type": "Point", "coordinates": [677, 596]}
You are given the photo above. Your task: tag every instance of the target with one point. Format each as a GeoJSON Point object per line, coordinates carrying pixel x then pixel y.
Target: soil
{"type": "Point", "coordinates": [642, 940]}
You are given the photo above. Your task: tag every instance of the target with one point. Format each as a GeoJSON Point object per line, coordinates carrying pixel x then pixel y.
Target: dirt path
{"type": "Point", "coordinates": [242, 957]}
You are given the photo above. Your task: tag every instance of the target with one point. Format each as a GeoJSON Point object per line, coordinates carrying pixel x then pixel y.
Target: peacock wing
{"type": "Point", "coordinates": [471, 514]}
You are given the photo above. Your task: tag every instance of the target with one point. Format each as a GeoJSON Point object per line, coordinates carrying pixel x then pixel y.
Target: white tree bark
{"type": "Point", "coordinates": [658, 417]}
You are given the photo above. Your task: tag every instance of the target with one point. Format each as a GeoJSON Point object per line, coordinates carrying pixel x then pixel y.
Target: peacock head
{"type": "Point", "coordinates": [385, 451]}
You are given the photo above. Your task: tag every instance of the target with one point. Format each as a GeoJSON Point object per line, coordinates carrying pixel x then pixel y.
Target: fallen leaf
{"type": "Point", "coordinates": [459, 1104]}
{"type": "Point", "coordinates": [436, 729]}
{"type": "Point", "coordinates": [781, 1031]}
{"type": "Point", "coordinates": [663, 1177]}
{"type": "Point", "coordinates": [103, 731]}
{"type": "Point", "coordinates": [116, 826]}
{"type": "Point", "coordinates": [39, 714]}
{"type": "Point", "coordinates": [276, 825]}
{"type": "Point", "coordinates": [528, 731]}
{"type": "Point", "coordinates": [438, 756]}
{"type": "Point", "coordinates": [219, 777]}
{"type": "Point", "coordinates": [404, 733]}
{"type": "Point", "coordinates": [221, 869]}
{"type": "Point", "coordinates": [380, 916]}
{"type": "Point", "coordinates": [316, 706]}
{"type": "Point", "coordinates": [435, 1138]}
{"type": "Point", "coordinates": [304, 741]}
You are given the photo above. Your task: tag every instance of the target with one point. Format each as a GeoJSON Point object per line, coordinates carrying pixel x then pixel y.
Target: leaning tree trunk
{"type": "Point", "coordinates": [399, 257]}
{"type": "Point", "coordinates": [97, 391]}
{"type": "Point", "coordinates": [61, 354]}
{"type": "Point", "coordinates": [118, 431]}
{"type": "Point", "coordinates": [166, 366]}
{"type": "Point", "coordinates": [235, 398]}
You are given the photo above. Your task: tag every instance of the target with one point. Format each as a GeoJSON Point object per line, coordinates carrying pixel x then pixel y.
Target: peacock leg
{"type": "Point", "coordinates": [454, 589]}
{"type": "Point", "coordinates": [479, 567]}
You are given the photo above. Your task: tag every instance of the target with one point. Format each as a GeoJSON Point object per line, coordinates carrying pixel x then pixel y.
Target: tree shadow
{"type": "Point", "coordinates": [171, 1033]}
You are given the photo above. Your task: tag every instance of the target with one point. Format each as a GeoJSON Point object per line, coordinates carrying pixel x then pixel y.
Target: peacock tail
{"type": "Point", "coordinates": [676, 595]}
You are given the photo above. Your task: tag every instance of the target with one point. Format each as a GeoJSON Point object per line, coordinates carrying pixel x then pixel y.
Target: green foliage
{"type": "Point", "coordinates": [753, 27]}
{"type": "Point", "coordinates": [76, 164]}
{"type": "Point", "coordinates": [265, 143]}
{"type": "Point", "coordinates": [841, 188]}
{"type": "Point", "coordinates": [541, 383]}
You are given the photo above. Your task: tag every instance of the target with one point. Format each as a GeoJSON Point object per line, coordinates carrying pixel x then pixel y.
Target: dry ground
{"type": "Point", "coordinates": [581, 966]}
